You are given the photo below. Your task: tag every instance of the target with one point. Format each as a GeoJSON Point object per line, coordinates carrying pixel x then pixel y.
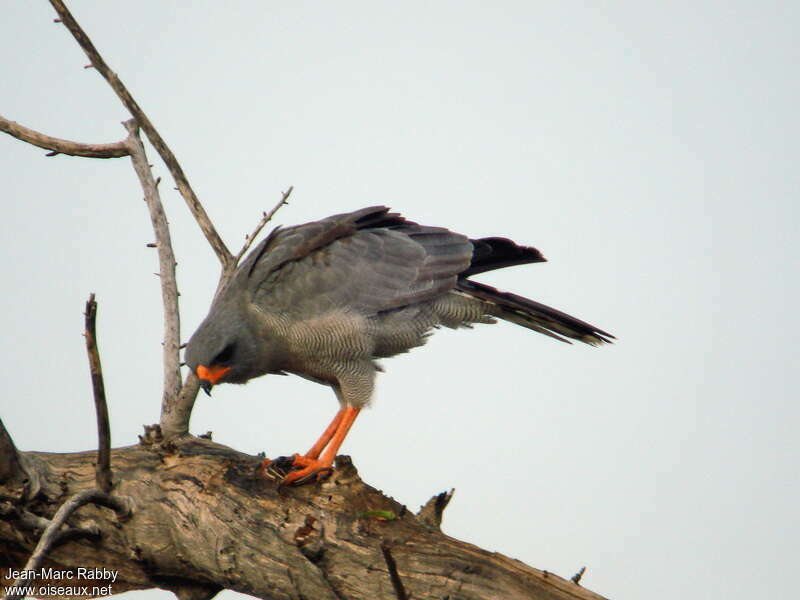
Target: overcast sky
{"type": "Point", "coordinates": [649, 150]}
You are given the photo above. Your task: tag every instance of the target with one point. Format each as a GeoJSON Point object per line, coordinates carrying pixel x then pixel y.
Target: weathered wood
{"type": "Point", "coordinates": [202, 521]}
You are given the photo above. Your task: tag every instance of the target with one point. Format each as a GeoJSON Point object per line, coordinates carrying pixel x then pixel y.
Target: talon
{"type": "Point", "coordinates": [312, 471]}
{"type": "Point", "coordinates": [275, 469]}
{"type": "Point", "coordinates": [317, 463]}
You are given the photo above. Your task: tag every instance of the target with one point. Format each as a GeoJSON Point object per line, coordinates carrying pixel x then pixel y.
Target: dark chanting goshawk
{"type": "Point", "coordinates": [326, 299]}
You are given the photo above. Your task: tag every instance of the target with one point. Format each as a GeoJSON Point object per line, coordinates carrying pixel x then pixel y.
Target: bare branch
{"type": "Point", "coordinates": [59, 146]}
{"type": "Point", "coordinates": [223, 254]}
{"type": "Point", "coordinates": [203, 518]}
{"type": "Point", "coordinates": [166, 263]}
{"type": "Point", "coordinates": [103, 468]}
{"type": "Point", "coordinates": [53, 531]}
{"type": "Point", "coordinates": [266, 218]}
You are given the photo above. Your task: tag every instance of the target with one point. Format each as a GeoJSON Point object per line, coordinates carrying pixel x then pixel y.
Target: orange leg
{"type": "Point", "coordinates": [326, 436]}
{"type": "Point", "coordinates": [312, 466]}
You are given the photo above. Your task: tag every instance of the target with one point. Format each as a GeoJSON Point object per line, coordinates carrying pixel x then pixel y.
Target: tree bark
{"type": "Point", "coordinates": [202, 521]}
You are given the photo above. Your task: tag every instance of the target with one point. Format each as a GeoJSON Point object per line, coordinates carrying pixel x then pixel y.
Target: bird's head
{"type": "Point", "coordinates": [223, 350]}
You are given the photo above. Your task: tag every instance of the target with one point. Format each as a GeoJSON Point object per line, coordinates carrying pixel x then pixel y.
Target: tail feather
{"type": "Point", "coordinates": [534, 315]}
{"type": "Point", "coordinates": [493, 253]}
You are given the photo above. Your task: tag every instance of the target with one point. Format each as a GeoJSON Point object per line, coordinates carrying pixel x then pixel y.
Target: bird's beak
{"type": "Point", "coordinates": [209, 376]}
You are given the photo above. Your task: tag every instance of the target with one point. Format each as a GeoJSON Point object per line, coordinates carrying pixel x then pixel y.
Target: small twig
{"type": "Point", "coordinates": [167, 276]}
{"type": "Point", "coordinates": [394, 575]}
{"type": "Point", "coordinates": [223, 254]}
{"type": "Point", "coordinates": [59, 146]}
{"type": "Point", "coordinates": [52, 534]}
{"type": "Point", "coordinates": [103, 468]}
{"type": "Point", "coordinates": [577, 577]}
{"type": "Point", "coordinates": [266, 218]}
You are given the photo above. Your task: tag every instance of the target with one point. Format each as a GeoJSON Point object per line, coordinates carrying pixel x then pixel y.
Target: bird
{"type": "Point", "coordinates": [325, 300]}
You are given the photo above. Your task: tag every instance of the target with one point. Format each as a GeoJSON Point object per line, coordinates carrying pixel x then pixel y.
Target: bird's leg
{"type": "Point", "coordinates": [313, 467]}
{"type": "Point", "coordinates": [326, 436]}
{"type": "Point", "coordinates": [275, 468]}
{"type": "Point", "coordinates": [353, 392]}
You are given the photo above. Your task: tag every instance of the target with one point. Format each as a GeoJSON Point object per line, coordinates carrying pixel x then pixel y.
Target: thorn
{"type": "Point", "coordinates": [56, 20]}
{"type": "Point", "coordinates": [157, 274]}
{"type": "Point", "coordinates": [182, 346]}
{"type": "Point", "coordinates": [182, 365]}
{"type": "Point", "coordinates": [152, 245]}
{"type": "Point", "coordinates": [158, 181]}
{"type": "Point", "coordinates": [53, 153]}
{"type": "Point", "coordinates": [88, 66]}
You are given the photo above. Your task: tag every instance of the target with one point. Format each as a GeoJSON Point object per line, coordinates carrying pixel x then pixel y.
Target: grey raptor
{"type": "Point", "coordinates": [325, 299]}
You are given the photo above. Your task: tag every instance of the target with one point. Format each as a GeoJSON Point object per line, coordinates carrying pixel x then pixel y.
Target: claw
{"type": "Point", "coordinates": [307, 470]}
{"type": "Point", "coordinates": [307, 475]}
{"type": "Point", "coordinates": [275, 469]}
{"type": "Point", "coordinates": [316, 464]}
{"type": "Point", "coordinates": [294, 470]}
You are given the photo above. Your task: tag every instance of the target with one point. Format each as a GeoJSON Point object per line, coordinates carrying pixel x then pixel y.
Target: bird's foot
{"type": "Point", "coordinates": [294, 470]}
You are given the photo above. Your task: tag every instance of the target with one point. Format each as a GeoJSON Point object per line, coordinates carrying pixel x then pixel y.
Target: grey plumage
{"type": "Point", "coordinates": [324, 299]}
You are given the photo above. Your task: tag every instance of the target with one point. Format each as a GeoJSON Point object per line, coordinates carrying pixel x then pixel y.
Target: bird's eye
{"type": "Point", "coordinates": [225, 356]}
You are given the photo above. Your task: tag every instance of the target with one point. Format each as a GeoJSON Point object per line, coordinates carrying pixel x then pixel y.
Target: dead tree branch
{"type": "Point", "coordinates": [170, 425]}
{"type": "Point", "coordinates": [178, 399]}
{"type": "Point", "coordinates": [223, 254]}
{"type": "Point", "coordinates": [103, 468]}
{"type": "Point", "coordinates": [204, 522]}
{"type": "Point", "coordinates": [59, 146]}
{"type": "Point", "coordinates": [54, 530]}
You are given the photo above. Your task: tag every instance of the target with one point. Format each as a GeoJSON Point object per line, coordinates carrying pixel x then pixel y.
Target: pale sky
{"type": "Point", "coordinates": [649, 150]}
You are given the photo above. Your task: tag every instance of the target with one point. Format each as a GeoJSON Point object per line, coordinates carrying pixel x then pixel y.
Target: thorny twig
{"type": "Point", "coordinates": [167, 279]}
{"type": "Point", "coordinates": [266, 218]}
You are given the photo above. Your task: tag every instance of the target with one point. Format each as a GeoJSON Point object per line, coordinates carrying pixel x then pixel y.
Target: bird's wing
{"type": "Point", "coordinates": [366, 261]}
